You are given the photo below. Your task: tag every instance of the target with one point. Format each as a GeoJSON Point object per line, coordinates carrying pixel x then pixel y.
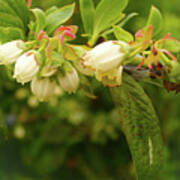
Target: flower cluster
{"type": "Point", "coordinates": [42, 63]}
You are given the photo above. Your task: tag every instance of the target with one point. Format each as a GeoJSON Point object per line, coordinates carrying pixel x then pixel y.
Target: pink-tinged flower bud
{"type": "Point", "coordinates": [70, 81]}
{"type": "Point", "coordinates": [26, 67]}
{"type": "Point", "coordinates": [106, 56]}
{"type": "Point", "coordinates": [9, 52]}
{"type": "Point", "coordinates": [43, 89]}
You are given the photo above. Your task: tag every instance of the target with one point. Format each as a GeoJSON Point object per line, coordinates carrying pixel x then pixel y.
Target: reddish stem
{"type": "Point", "coordinates": [29, 2]}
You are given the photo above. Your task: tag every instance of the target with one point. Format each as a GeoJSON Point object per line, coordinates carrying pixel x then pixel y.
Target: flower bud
{"type": "Point", "coordinates": [43, 89]}
{"type": "Point", "coordinates": [26, 67]}
{"type": "Point", "coordinates": [106, 56]}
{"type": "Point", "coordinates": [70, 81]}
{"type": "Point", "coordinates": [9, 52]}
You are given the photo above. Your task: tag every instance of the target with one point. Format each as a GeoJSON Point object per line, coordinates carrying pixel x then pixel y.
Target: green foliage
{"type": "Point", "coordinates": [58, 17]}
{"type": "Point", "coordinates": [40, 20]}
{"type": "Point", "coordinates": [87, 12]}
{"type": "Point", "coordinates": [122, 34]}
{"type": "Point", "coordinates": [108, 14]}
{"type": "Point", "coordinates": [14, 18]}
{"type": "Point", "coordinates": [141, 127]}
{"type": "Point", "coordinates": [74, 137]}
{"type": "Point", "coordinates": [155, 19]}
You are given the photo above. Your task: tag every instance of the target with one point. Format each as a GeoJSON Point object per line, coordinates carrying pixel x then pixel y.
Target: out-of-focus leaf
{"type": "Point", "coordinates": [10, 33]}
{"type": "Point", "coordinates": [87, 13]}
{"type": "Point", "coordinates": [40, 22]}
{"type": "Point", "coordinates": [122, 34]}
{"type": "Point", "coordinates": [14, 17]}
{"type": "Point", "coordinates": [155, 19]}
{"type": "Point", "coordinates": [58, 17]}
{"type": "Point", "coordinates": [21, 9]}
{"type": "Point", "coordinates": [127, 18]}
{"type": "Point", "coordinates": [106, 13]}
{"type": "Point", "coordinates": [171, 45]}
{"type": "Point", "coordinates": [140, 126]}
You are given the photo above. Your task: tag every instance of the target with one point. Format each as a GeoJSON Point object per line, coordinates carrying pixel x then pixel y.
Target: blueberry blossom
{"type": "Point", "coordinates": [43, 89]}
{"type": "Point", "coordinates": [106, 56]}
{"type": "Point", "coordinates": [106, 60]}
{"type": "Point", "coordinates": [9, 52]}
{"type": "Point", "coordinates": [70, 81]}
{"type": "Point", "coordinates": [26, 67]}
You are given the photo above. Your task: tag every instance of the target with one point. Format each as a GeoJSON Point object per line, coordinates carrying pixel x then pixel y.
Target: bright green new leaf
{"type": "Point", "coordinates": [51, 10]}
{"type": "Point", "coordinates": [40, 19]}
{"type": "Point", "coordinates": [10, 33]}
{"type": "Point", "coordinates": [87, 13]}
{"type": "Point", "coordinates": [122, 34]}
{"type": "Point", "coordinates": [106, 14]}
{"type": "Point", "coordinates": [140, 126]}
{"type": "Point", "coordinates": [58, 17]}
{"type": "Point", "coordinates": [155, 19]}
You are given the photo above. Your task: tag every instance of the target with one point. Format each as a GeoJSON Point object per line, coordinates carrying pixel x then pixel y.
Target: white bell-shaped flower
{"type": "Point", "coordinates": [9, 52]}
{"type": "Point", "coordinates": [26, 67]}
{"type": "Point", "coordinates": [70, 81]}
{"type": "Point", "coordinates": [43, 89]}
{"type": "Point", "coordinates": [106, 56]}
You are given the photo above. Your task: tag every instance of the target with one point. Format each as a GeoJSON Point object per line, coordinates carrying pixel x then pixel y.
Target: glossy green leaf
{"type": "Point", "coordinates": [140, 126]}
{"type": "Point", "coordinates": [106, 13]}
{"type": "Point", "coordinates": [40, 20]}
{"type": "Point", "coordinates": [87, 13]}
{"type": "Point", "coordinates": [58, 17]}
{"type": "Point", "coordinates": [155, 19]}
{"type": "Point", "coordinates": [122, 34]}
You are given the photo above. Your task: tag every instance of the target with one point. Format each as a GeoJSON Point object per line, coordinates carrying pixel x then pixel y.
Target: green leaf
{"type": "Point", "coordinates": [40, 19]}
{"type": "Point", "coordinates": [106, 13]}
{"type": "Point", "coordinates": [9, 20]}
{"type": "Point", "coordinates": [14, 18]}
{"type": "Point", "coordinates": [171, 45]}
{"type": "Point", "coordinates": [51, 10]}
{"type": "Point", "coordinates": [21, 9]}
{"type": "Point", "coordinates": [155, 19]}
{"type": "Point", "coordinates": [87, 13]}
{"type": "Point", "coordinates": [10, 33]}
{"type": "Point", "coordinates": [58, 17]}
{"type": "Point", "coordinates": [127, 18]}
{"type": "Point", "coordinates": [140, 126]}
{"type": "Point", "coordinates": [122, 34]}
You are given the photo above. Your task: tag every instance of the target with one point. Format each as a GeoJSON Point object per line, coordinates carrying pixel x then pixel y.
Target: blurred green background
{"type": "Point", "coordinates": [74, 137]}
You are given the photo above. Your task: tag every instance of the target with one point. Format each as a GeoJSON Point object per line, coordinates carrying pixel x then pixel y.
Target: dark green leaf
{"type": "Point", "coordinates": [21, 9]}
{"type": "Point", "coordinates": [140, 126]}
